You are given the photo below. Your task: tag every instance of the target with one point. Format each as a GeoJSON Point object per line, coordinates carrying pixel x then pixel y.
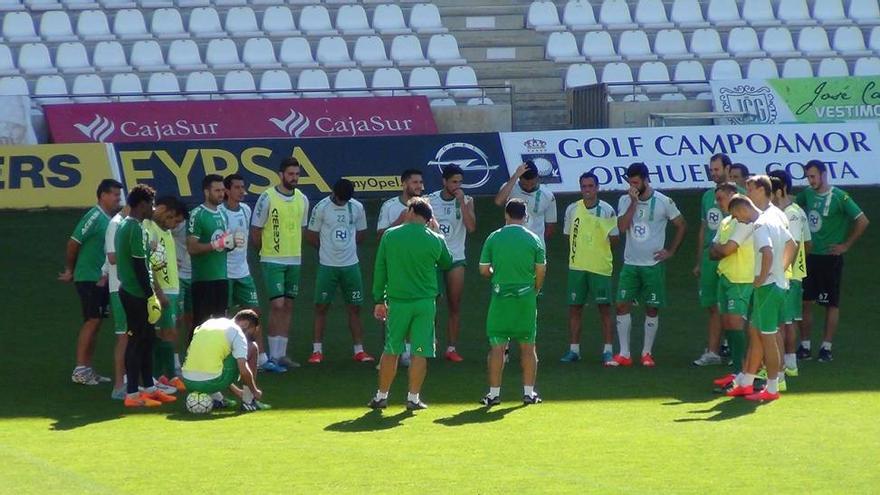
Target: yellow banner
{"type": "Point", "coordinates": [54, 175]}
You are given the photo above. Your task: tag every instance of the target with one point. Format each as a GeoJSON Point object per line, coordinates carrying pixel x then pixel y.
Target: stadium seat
{"type": "Point", "coordinates": [690, 70]}
{"type": "Point", "coordinates": [705, 96]}
{"type": "Point", "coordinates": [635, 97]}
{"type": "Point", "coordinates": [673, 97]}
{"type": "Point", "coordinates": [580, 75]}
{"type": "Point", "coordinates": [314, 79]}
{"type": "Point", "coordinates": [314, 20]}
{"type": "Point", "coordinates": [92, 25]}
{"type": "Point", "coordinates": [128, 85]}
{"type": "Point", "coordinates": [578, 15]}
{"type": "Point", "coordinates": [274, 81]}
{"type": "Point", "coordinates": [706, 43]}
{"type": "Point", "coordinates": [615, 14]}
{"type": "Point", "coordinates": [651, 14]}
{"type": "Point", "coordinates": [192, 3]}
{"type": "Point", "coordinates": [237, 81]}
{"type": "Point", "coordinates": [332, 52]}
{"type": "Point", "coordinates": [778, 43]}
{"type": "Point", "coordinates": [762, 68]}
{"type": "Point", "coordinates": [11, 5]}
{"type": "Point", "coordinates": [388, 19]}
{"type": "Point", "coordinates": [55, 26]}
{"type": "Point", "coordinates": [759, 13]}
{"type": "Point", "coordinates": [669, 45]}
{"type": "Point", "coordinates": [51, 86]}
{"type": "Point", "coordinates": [18, 27]}
{"type": "Point", "coordinates": [201, 82]}
{"type": "Point", "coordinates": [874, 39]}
{"type": "Point", "coordinates": [562, 47]}
{"type": "Point", "coordinates": [742, 42]}
{"type": "Point", "coordinates": [443, 102]}
{"type": "Point", "coordinates": [352, 19]}
{"type": "Point", "coordinates": [387, 82]}
{"type": "Point", "coordinates": [633, 46]}
{"type": "Point", "coordinates": [146, 56]}
{"type": "Point", "coordinates": [406, 51]}
{"type": "Point", "coordinates": [462, 76]}
{"type": "Point", "coordinates": [33, 58]}
{"type": "Point", "coordinates": [258, 53]}
{"type": "Point", "coordinates": [242, 22]}
{"type": "Point", "coordinates": [482, 100]}
{"type": "Point", "coordinates": [597, 47]}
{"type": "Point", "coordinates": [74, 5]}
{"type": "Point", "coordinates": [163, 82]}
{"type": "Point", "coordinates": [617, 72]}
{"type": "Point", "coordinates": [813, 41]}
{"type": "Point", "coordinates": [864, 12]}
{"type": "Point", "coordinates": [351, 79]}
{"type": "Point", "coordinates": [369, 51]}
{"type": "Point", "coordinates": [183, 55]}
{"type": "Point", "coordinates": [687, 14]}
{"type": "Point", "coordinates": [848, 40]}
{"type": "Point", "coordinates": [229, 3]}
{"type": "Point", "coordinates": [426, 77]}
{"type": "Point", "coordinates": [88, 88]}
{"type": "Point", "coordinates": [155, 4]}
{"type": "Point", "coordinates": [108, 56]}
{"type": "Point", "coordinates": [655, 72]}
{"type": "Point", "coordinates": [830, 13]}
{"type": "Point", "coordinates": [128, 24]}
{"type": "Point", "coordinates": [118, 4]}
{"type": "Point", "coordinates": [278, 21]}
{"type": "Point", "coordinates": [7, 65]}
{"type": "Point", "coordinates": [867, 66]}
{"type": "Point", "coordinates": [443, 50]}
{"type": "Point", "coordinates": [832, 67]}
{"type": "Point", "coordinates": [795, 13]}
{"type": "Point", "coordinates": [724, 13]}
{"type": "Point", "coordinates": [167, 24]}
{"type": "Point", "coordinates": [71, 58]}
{"type": "Point", "coordinates": [725, 70]}
{"type": "Point", "coordinates": [797, 67]}
{"type": "Point", "coordinates": [296, 53]}
{"type": "Point", "coordinates": [223, 54]}
{"type": "Point", "coordinates": [40, 5]}
{"type": "Point", "coordinates": [543, 16]}
{"type": "Point", "coordinates": [204, 22]}
{"type": "Point", "coordinates": [14, 86]}
{"type": "Point", "coordinates": [424, 18]}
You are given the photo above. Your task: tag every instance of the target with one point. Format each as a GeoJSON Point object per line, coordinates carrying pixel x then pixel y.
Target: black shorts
{"type": "Point", "coordinates": [824, 273]}
{"type": "Point", "coordinates": [93, 300]}
{"type": "Point", "coordinates": [210, 299]}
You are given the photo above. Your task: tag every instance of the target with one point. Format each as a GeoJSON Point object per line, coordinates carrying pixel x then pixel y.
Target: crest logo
{"type": "Point", "coordinates": [757, 102]}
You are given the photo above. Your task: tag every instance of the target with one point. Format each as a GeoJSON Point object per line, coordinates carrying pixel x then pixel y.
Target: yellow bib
{"type": "Point", "coordinates": [163, 257]}
{"type": "Point", "coordinates": [207, 351]}
{"type": "Point", "coordinates": [739, 267]}
{"type": "Point", "coordinates": [798, 269]}
{"type": "Point", "coordinates": [589, 247]}
{"type": "Point", "coordinates": [282, 232]}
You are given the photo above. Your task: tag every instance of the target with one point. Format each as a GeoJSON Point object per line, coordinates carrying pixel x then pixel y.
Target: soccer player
{"type": "Point", "coordinates": [116, 311]}
{"type": "Point", "coordinates": [83, 260]}
{"type": "Point", "coordinates": [184, 298]}
{"type": "Point", "coordinates": [208, 243]}
{"type": "Point", "coordinates": [738, 174]}
{"type": "Point", "coordinates": [800, 231]}
{"type": "Point", "coordinates": [525, 184]}
{"type": "Point", "coordinates": [706, 269]}
{"type": "Point", "coordinates": [454, 212]}
{"type": "Point", "coordinates": [337, 225]}
{"type": "Point", "coordinates": [513, 258]}
{"type": "Point", "coordinates": [138, 300]}
{"type": "Point", "coordinates": [405, 291]}
{"type": "Point", "coordinates": [644, 214]}
{"type": "Point", "coordinates": [591, 225]}
{"type": "Point", "coordinates": [280, 217]}
{"type": "Point", "coordinates": [221, 352]}
{"type": "Point", "coordinates": [836, 223]}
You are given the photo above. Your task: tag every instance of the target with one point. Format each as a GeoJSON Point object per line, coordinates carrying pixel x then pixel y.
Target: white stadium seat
{"type": "Point", "coordinates": [617, 72]}
{"type": "Point", "coordinates": [51, 86]}
{"type": "Point", "coordinates": [18, 27]}
{"type": "Point", "coordinates": [797, 67]}
{"type": "Point", "coordinates": [832, 67]}
{"type": "Point", "coordinates": [204, 22]}
{"type": "Point", "coordinates": [480, 101]}
{"type": "Point", "coordinates": [117, 4]}
{"type": "Point", "coordinates": [7, 65]}
{"type": "Point", "coordinates": [562, 47]}
{"type": "Point", "coordinates": [580, 75]}
{"type": "Point", "coordinates": [426, 77]}
{"type": "Point", "coordinates": [276, 80]}
{"type": "Point", "coordinates": [314, 79]}
{"type": "Point", "coordinates": [874, 39]}
{"type": "Point", "coordinates": [597, 47]}
{"type": "Point", "coordinates": [55, 26]}
{"type": "Point", "coordinates": [315, 20]}
{"type": "Point", "coordinates": [460, 77]}
{"type": "Point", "coordinates": [163, 82]}
{"type": "Point", "coordinates": [669, 45]}
{"type": "Point", "coordinates": [778, 43]}
{"type": "Point", "coordinates": [795, 12]}
{"type": "Point", "coordinates": [651, 14]}
{"type": "Point", "coordinates": [813, 41]}
{"type": "Point", "coordinates": [706, 43]}
{"type": "Point", "coordinates": [351, 79]}
{"type": "Point", "coordinates": [258, 53]}
{"type": "Point", "coordinates": [201, 82]}
{"type": "Point", "coordinates": [864, 11]}
{"type": "Point", "coordinates": [11, 5]}
{"type": "Point", "coordinates": [14, 85]}
{"type": "Point", "coordinates": [296, 53]}
{"type": "Point", "coordinates": [108, 56]}
{"type": "Point", "coordinates": [167, 23]}
{"type": "Point", "coordinates": [237, 81]}
{"type": "Point", "coordinates": [92, 25]}
{"type": "Point", "coordinates": [192, 3]}
{"type": "Point", "coordinates": [332, 52]}
{"type": "Point", "coordinates": [578, 15]}
{"type": "Point", "coordinates": [71, 58]}
{"type": "Point", "coordinates": [743, 42]}
{"type": "Point", "coordinates": [443, 102]}
{"type": "Point", "coordinates": [635, 97]}
{"type": "Point", "coordinates": [88, 88]}
{"type": "Point", "coordinates": [633, 46]}
{"type": "Point", "coordinates": [830, 12]}
{"type": "Point", "coordinates": [425, 18]}
{"type": "Point", "coordinates": [655, 72]}
{"type": "Point", "coordinates": [33, 58]}
{"type": "Point", "coordinates": [352, 19]}
{"type": "Point", "coordinates": [278, 21]}
{"type": "Point", "coordinates": [724, 13]}
{"type": "Point", "coordinates": [443, 50]}
{"type": "Point", "coordinates": [406, 51]}
{"type": "Point", "coordinates": [229, 3]}
{"type": "Point", "coordinates": [867, 66]}
{"type": "Point", "coordinates": [369, 51]}
{"type": "Point", "coordinates": [388, 19]}
{"type": "Point", "coordinates": [223, 54]}
{"type": "Point", "coordinates": [543, 16]}
{"type": "Point", "coordinates": [848, 40]}
{"type": "Point", "coordinates": [759, 13]}
{"type": "Point", "coordinates": [387, 82]}
{"type": "Point", "coordinates": [36, 5]}
{"type": "Point", "coordinates": [724, 70]}
{"type": "Point", "coordinates": [762, 68]}
{"type": "Point", "coordinates": [241, 21]}
{"type": "Point", "coordinates": [184, 55]}
{"type": "Point", "coordinates": [146, 56]}
{"type": "Point", "coordinates": [129, 85]}
{"type": "Point", "coordinates": [673, 97]}
{"type": "Point", "coordinates": [615, 14]}
{"type": "Point", "coordinates": [129, 24]}
{"type": "Point", "coordinates": [687, 14]}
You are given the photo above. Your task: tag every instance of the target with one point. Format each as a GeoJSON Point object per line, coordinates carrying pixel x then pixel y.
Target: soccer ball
{"type": "Point", "coordinates": [199, 403]}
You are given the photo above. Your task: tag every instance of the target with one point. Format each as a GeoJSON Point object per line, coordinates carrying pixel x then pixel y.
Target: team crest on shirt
{"type": "Point", "coordinates": [815, 221]}
{"type": "Point", "coordinates": [713, 218]}
{"type": "Point", "coordinates": [640, 231]}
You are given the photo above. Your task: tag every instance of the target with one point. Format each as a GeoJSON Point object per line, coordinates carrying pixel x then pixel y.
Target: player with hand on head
{"type": "Point", "coordinates": [525, 184]}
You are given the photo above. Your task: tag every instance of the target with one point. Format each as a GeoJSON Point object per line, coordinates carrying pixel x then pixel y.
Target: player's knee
{"type": "Point", "coordinates": [651, 311]}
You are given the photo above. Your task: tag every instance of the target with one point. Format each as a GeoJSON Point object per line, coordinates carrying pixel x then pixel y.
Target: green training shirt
{"type": "Point", "coordinates": [829, 216]}
{"type": "Point", "coordinates": [89, 233]}
{"type": "Point", "coordinates": [513, 251]}
{"type": "Point", "coordinates": [131, 248]}
{"type": "Point", "coordinates": [407, 262]}
{"type": "Point", "coordinates": [207, 225]}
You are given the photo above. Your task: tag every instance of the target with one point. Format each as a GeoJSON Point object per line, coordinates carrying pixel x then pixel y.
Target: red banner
{"type": "Point", "coordinates": [239, 119]}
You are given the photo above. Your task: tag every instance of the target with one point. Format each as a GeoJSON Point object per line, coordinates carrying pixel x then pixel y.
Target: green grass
{"type": "Point", "coordinates": [612, 430]}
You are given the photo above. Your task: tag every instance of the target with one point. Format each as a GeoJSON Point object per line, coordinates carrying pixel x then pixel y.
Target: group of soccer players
{"type": "Point", "coordinates": [167, 268]}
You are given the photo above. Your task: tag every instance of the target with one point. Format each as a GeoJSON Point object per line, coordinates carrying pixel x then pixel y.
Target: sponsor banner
{"type": "Point", "coordinates": [678, 157]}
{"type": "Point", "coordinates": [373, 164]}
{"type": "Point", "coordinates": [63, 175]}
{"type": "Point", "coordinates": [803, 100]}
{"type": "Point", "coordinates": [239, 119]}
{"type": "Point", "coordinates": [15, 121]}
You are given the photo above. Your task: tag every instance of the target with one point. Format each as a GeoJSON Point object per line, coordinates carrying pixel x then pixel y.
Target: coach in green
{"type": "Point", "coordinates": [405, 291]}
{"type": "Point", "coordinates": [513, 257]}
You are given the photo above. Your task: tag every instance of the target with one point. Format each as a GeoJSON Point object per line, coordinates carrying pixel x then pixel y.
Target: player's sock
{"type": "Point", "coordinates": [748, 380]}
{"type": "Point", "coordinates": [282, 346]}
{"type": "Point", "coordinates": [652, 324]}
{"type": "Point", "coordinates": [781, 375]}
{"type": "Point", "coordinates": [262, 359]}
{"type": "Point", "coordinates": [317, 347]}
{"type": "Point", "coordinates": [273, 347]}
{"type": "Point", "coordinates": [575, 348]}
{"type": "Point", "coordinates": [494, 391]}
{"type": "Point", "coordinates": [826, 345]}
{"type": "Point", "coordinates": [177, 361]}
{"type": "Point", "coordinates": [411, 397]}
{"type": "Point", "coordinates": [528, 390]}
{"type": "Point", "coordinates": [380, 395]}
{"type": "Point", "coordinates": [773, 385]}
{"type": "Point", "coordinates": [738, 378]}
{"type": "Point", "coordinates": [450, 348]}
{"type": "Point", "coordinates": [151, 389]}
{"type": "Point", "coordinates": [358, 348]}
{"type": "Point", "coordinates": [790, 360]}
{"type": "Point", "coordinates": [217, 396]}
{"type": "Point", "coordinates": [624, 323]}
{"type": "Point", "coordinates": [407, 348]}
{"type": "Point", "coordinates": [805, 344]}
{"type": "Point", "coordinates": [724, 342]}
{"type": "Point", "coordinates": [246, 395]}
{"type": "Point", "coordinates": [607, 348]}
{"type": "Point", "coordinates": [737, 340]}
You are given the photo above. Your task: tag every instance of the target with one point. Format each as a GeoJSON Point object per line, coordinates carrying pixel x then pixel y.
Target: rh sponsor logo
{"type": "Point", "coordinates": [98, 129]}
{"type": "Point", "coordinates": [294, 124]}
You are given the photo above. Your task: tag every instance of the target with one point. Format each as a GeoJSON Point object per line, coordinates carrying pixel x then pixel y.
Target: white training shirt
{"type": "Point", "coordinates": [540, 207]}
{"type": "Point", "coordinates": [771, 229]}
{"type": "Point", "coordinates": [238, 221]}
{"type": "Point", "coordinates": [110, 248]}
{"type": "Point", "coordinates": [338, 227]}
{"type": "Point", "coordinates": [604, 211]}
{"type": "Point", "coordinates": [390, 211]}
{"type": "Point", "coordinates": [798, 225]}
{"type": "Point", "coordinates": [647, 233]}
{"type": "Point", "coordinates": [184, 266]}
{"type": "Point", "coordinates": [450, 217]}
{"type": "Point", "coordinates": [261, 214]}
{"type": "Point", "coordinates": [237, 342]}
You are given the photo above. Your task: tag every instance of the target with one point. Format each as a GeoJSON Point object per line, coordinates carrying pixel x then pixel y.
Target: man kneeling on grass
{"type": "Point", "coordinates": [221, 352]}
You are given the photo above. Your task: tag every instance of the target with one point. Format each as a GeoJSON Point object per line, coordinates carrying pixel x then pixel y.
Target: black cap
{"type": "Point", "coordinates": [531, 170]}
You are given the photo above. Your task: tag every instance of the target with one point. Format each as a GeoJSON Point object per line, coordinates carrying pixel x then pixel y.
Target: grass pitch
{"type": "Point", "coordinates": [611, 430]}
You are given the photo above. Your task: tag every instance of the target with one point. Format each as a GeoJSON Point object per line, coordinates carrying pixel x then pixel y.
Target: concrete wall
{"type": "Point", "coordinates": [638, 113]}
{"type": "Point", "coordinates": [480, 118]}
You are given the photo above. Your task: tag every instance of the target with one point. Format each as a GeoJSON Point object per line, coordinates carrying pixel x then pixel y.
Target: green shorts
{"type": "Point", "coordinates": [281, 280]}
{"type": "Point", "coordinates": [512, 318]}
{"type": "Point", "coordinates": [120, 325]}
{"type": "Point", "coordinates": [411, 319]}
{"type": "Point", "coordinates": [185, 297]}
{"type": "Point", "coordinates": [767, 308]}
{"type": "Point", "coordinates": [582, 284]}
{"type": "Point", "coordinates": [708, 289]}
{"type": "Point", "coordinates": [227, 377]}
{"type": "Point", "coordinates": [646, 284]}
{"type": "Point", "coordinates": [169, 313]}
{"type": "Point", "coordinates": [734, 299]}
{"type": "Point", "coordinates": [243, 293]}
{"type": "Point", "coordinates": [348, 278]}
{"type": "Point", "coordinates": [793, 310]}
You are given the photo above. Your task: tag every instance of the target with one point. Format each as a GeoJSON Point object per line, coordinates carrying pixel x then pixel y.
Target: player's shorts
{"type": "Point", "coordinates": [733, 299]}
{"type": "Point", "coordinates": [646, 284]}
{"type": "Point", "coordinates": [708, 289]}
{"type": "Point", "coordinates": [824, 273]}
{"type": "Point", "coordinates": [411, 319]}
{"type": "Point", "coordinates": [185, 297]}
{"type": "Point", "coordinates": [227, 377]}
{"type": "Point", "coordinates": [243, 293]}
{"type": "Point", "coordinates": [118, 313]}
{"type": "Point", "coordinates": [512, 318]}
{"type": "Point", "coordinates": [348, 278]}
{"type": "Point", "coordinates": [767, 307]}
{"type": "Point", "coordinates": [169, 313]}
{"type": "Point", "coordinates": [280, 280]}
{"type": "Point", "coordinates": [794, 302]}
{"type": "Point", "coordinates": [441, 276]}
{"type": "Point", "coordinates": [584, 287]}
{"type": "Point", "coordinates": [210, 298]}
{"type": "Point", "coordinates": [94, 301]}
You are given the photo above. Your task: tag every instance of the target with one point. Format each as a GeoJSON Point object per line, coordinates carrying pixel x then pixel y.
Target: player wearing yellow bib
{"type": "Point", "coordinates": [277, 227]}
{"type": "Point", "coordinates": [591, 227]}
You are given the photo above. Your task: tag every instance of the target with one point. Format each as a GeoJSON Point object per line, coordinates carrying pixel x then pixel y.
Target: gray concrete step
{"type": "Point", "coordinates": [506, 54]}
{"type": "Point", "coordinates": [484, 21]}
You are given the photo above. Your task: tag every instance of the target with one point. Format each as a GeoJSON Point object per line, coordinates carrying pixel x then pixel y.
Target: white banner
{"type": "Point", "coordinates": [15, 121]}
{"type": "Point", "coordinates": [678, 157]}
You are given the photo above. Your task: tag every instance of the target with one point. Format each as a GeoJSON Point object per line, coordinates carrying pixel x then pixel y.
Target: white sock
{"type": "Point", "coordinates": [358, 348]}
{"type": "Point", "coordinates": [450, 348]}
{"type": "Point", "coordinates": [575, 348]}
{"type": "Point", "coordinates": [273, 347]}
{"type": "Point", "coordinates": [652, 324]}
{"type": "Point", "coordinates": [381, 395]}
{"type": "Point", "coordinates": [150, 389]}
{"type": "Point", "coordinates": [246, 395]}
{"type": "Point", "coordinates": [262, 359]}
{"type": "Point", "coordinates": [773, 385]}
{"type": "Point", "coordinates": [282, 346]}
{"type": "Point", "coordinates": [528, 390]}
{"type": "Point", "coordinates": [494, 391]}
{"type": "Point", "coordinates": [217, 396]}
{"type": "Point", "coordinates": [317, 347]}
{"type": "Point", "coordinates": [176, 361]}
{"type": "Point", "coordinates": [738, 378]}
{"type": "Point", "coordinates": [606, 348]}
{"type": "Point", "coordinates": [624, 323]}
{"type": "Point", "coordinates": [805, 344]}
{"type": "Point", "coordinates": [407, 349]}
{"type": "Point", "coordinates": [412, 397]}
{"type": "Point", "coordinates": [826, 345]}
{"type": "Point", "coordinates": [790, 361]}
{"type": "Point", "coordinates": [781, 376]}
{"type": "Point", "coordinates": [748, 380]}
{"type": "Point", "coordinates": [723, 342]}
